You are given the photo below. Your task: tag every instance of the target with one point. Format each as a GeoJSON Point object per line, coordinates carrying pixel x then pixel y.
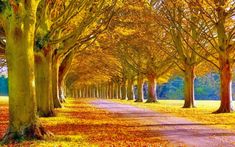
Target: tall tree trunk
{"type": "Point", "coordinates": [55, 88]}
{"type": "Point", "coordinates": [61, 87]}
{"type": "Point", "coordinates": [226, 105]}
{"type": "Point", "coordinates": [130, 89]}
{"type": "Point", "coordinates": [224, 60]}
{"type": "Point", "coordinates": [114, 90]}
{"type": "Point", "coordinates": [109, 91]}
{"type": "Point", "coordinates": [65, 90]}
{"type": "Point", "coordinates": [98, 94]}
{"type": "Point", "coordinates": [106, 91]}
{"type": "Point", "coordinates": [83, 92]}
{"type": "Point", "coordinates": [79, 93]}
{"type": "Point", "coordinates": [123, 90]}
{"type": "Point", "coordinates": [97, 91]}
{"type": "Point", "coordinates": [92, 92]}
{"type": "Point", "coordinates": [118, 90]}
{"type": "Point", "coordinates": [139, 89]}
{"type": "Point", "coordinates": [43, 75]}
{"type": "Point", "coordinates": [189, 76]}
{"type": "Point", "coordinates": [76, 93]}
{"type": "Point", "coordinates": [73, 94]}
{"type": "Point", "coordinates": [151, 89]}
{"type": "Point", "coordinates": [63, 71]}
{"type": "Point", "coordinates": [88, 92]}
{"type": "Point", "coordinates": [23, 121]}
{"type": "Point", "coordinates": [102, 91]}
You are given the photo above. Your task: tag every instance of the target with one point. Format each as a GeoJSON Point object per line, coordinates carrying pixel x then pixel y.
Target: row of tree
{"type": "Point", "coordinates": [39, 38]}
{"type": "Point", "coordinates": [91, 48]}
{"type": "Point", "coordinates": [156, 39]}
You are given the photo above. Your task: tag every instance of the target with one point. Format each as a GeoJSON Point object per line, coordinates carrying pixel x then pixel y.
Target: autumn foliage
{"type": "Point", "coordinates": [80, 123]}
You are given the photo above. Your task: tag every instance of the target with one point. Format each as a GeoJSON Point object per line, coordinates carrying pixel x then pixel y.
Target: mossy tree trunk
{"type": "Point", "coordinates": [19, 29]}
{"type": "Point", "coordinates": [43, 80]}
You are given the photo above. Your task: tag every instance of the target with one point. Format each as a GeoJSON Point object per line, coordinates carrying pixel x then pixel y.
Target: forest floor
{"type": "Point", "coordinates": [98, 122]}
{"type": "Point", "coordinates": [80, 123]}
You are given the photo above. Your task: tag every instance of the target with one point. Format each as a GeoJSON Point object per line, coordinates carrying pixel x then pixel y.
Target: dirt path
{"type": "Point", "coordinates": [177, 130]}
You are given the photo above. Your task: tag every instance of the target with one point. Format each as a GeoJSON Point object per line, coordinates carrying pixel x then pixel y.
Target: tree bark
{"type": "Point", "coordinates": [139, 89]}
{"type": "Point", "coordinates": [55, 88]}
{"type": "Point", "coordinates": [189, 76]}
{"type": "Point", "coordinates": [63, 71]}
{"type": "Point", "coordinates": [130, 89]}
{"type": "Point", "coordinates": [225, 86]}
{"type": "Point", "coordinates": [123, 90]}
{"type": "Point", "coordinates": [114, 90]}
{"type": "Point", "coordinates": [151, 89]}
{"type": "Point", "coordinates": [61, 87]}
{"type": "Point", "coordinates": [82, 92]}
{"type": "Point", "coordinates": [101, 91]}
{"type": "Point", "coordinates": [23, 121]}
{"type": "Point", "coordinates": [111, 90]}
{"type": "Point", "coordinates": [97, 91]}
{"type": "Point", "coordinates": [106, 93]}
{"type": "Point", "coordinates": [118, 90]}
{"type": "Point", "coordinates": [43, 80]}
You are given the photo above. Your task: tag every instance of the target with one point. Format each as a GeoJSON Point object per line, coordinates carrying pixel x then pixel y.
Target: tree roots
{"type": "Point", "coordinates": [224, 110]}
{"type": "Point", "coordinates": [48, 114]}
{"type": "Point", "coordinates": [138, 100]}
{"type": "Point", "coordinates": [151, 101]}
{"type": "Point", "coordinates": [33, 132]}
{"type": "Point", "coordinates": [188, 106]}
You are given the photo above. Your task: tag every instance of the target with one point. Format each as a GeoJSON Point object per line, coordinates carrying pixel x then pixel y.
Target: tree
{"type": "Point", "coordinates": [91, 68]}
{"type": "Point", "coordinates": [218, 19]}
{"type": "Point", "coordinates": [184, 35]}
{"type": "Point", "coordinates": [62, 28]}
{"type": "Point", "coordinates": [18, 19]}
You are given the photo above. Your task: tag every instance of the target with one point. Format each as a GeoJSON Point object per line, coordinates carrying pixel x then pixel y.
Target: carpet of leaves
{"type": "Point", "coordinates": [80, 124]}
{"type": "Point", "coordinates": [3, 115]}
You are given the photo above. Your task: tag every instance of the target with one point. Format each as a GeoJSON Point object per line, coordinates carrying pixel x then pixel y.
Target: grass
{"type": "Point", "coordinates": [80, 124]}
{"type": "Point", "coordinates": [202, 114]}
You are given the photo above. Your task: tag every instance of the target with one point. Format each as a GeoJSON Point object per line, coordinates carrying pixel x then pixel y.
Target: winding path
{"type": "Point", "coordinates": [175, 129]}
